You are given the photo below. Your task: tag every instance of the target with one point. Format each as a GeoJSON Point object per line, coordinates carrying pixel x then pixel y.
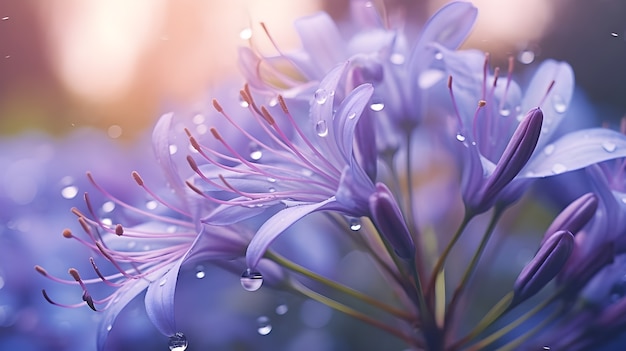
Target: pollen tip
{"type": "Point", "coordinates": [192, 163]}
{"type": "Point", "coordinates": [450, 82]}
{"type": "Point", "coordinates": [74, 273]}
{"type": "Point", "coordinates": [194, 143]}
{"type": "Point", "coordinates": [137, 178]}
{"type": "Point", "coordinates": [119, 230]}
{"type": "Point", "coordinates": [482, 103]}
{"type": "Point", "coordinates": [67, 233]}
{"type": "Point", "coordinates": [217, 106]}
{"type": "Point", "coordinates": [187, 132]}
{"type": "Point", "coordinates": [194, 188]}
{"type": "Point", "coordinates": [41, 270]}
{"type": "Point", "coordinates": [267, 116]}
{"type": "Point", "coordinates": [215, 133]}
{"type": "Point", "coordinates": [282, 103]}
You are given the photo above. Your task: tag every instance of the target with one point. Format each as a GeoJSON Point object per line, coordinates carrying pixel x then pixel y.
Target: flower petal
{"type": "Point", "coordinates": [348, 115]}
{"type": "Point", "coordinates": [576, 150]}
{"type": "Point", "coordinates": [275, 225]}
{"type": "Point", "coordinates": [321, 39]}
{"type": "Point", "coordinates": [161, 146]}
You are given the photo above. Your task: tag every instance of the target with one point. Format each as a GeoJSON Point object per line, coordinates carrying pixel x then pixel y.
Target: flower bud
{"type": "Point", "coordinates": [546, 264]}
{"type": "Point", "coordinates": [575, 216]}
{"type": "Point", "coordinates": [390, 223]}
{"type": "Point", "coordinates": [515, 155]}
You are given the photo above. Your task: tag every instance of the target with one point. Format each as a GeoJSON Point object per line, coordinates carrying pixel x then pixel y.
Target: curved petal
{"type": "Point", "coordinates": [161, 146]}
{"type": "Point", "coordinates": [231, 214]}
{"type": "Point", "coordinates": [275, 225]}
{"type": "Point", "coordinates": [576, 150]}
{"type": "Point", "coordinates": [321, 39]}
{"type": "Point", "coordinates": [348, 115]}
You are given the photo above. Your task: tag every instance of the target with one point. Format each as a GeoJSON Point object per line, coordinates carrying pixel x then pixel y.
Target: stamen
{"type": "Point", "coordinates": [41, 270]}
{"type": "Point", "coordinates": [137, 178]}
{"type": "Point", "coordinates": [267, 116]}
{"type": "Point", "coordinates": [217, 106]}
{"type": "Point", "coordinates": [119, 230]}
{"type": "Point", "coordinates": [454, 104]}
{"type": "Point", "coordinates": [67, 233]}
{"type": "Point", "coordinates": [545, 96]}
{"type": "Point", "coordinates": [283, 105]}
{"type": "Point", "coordinates": [100, 275]}
{"type": "Point", "coordinates": [216, 135]}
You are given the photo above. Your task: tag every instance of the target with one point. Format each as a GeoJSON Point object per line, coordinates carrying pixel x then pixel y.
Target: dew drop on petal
{"type": "Point", "coordinates": [377, 106]}
{"type": "Point", "coordinates": [351, 115]}
{"type": "Point", "coordinates": [173, 149]}
{"type": "Point", "coordinates": [151, 205]}
{"type": "Point", "coordinates": [5, 18]}
{"type": "Point", "coordinates": [355, 224]}
{"type": "Point", "coordinates": [609, 146]}
{"type": "Point", "coordinates": [559, 168]}
{"type": "Point", "coordinates": [559, 103]}
{"type": "Point", "coordinates": [614, 35]}
{"type": "Point", "coordinates": [245, 34]}
{"type": "Point", "coordinates": [69, 192]}
{"type": "Point", "coordinates": [163, 281]}
{"type": "Point", "coordinates": [549, 149]}
{"type": "Point", "coordinates": [108, 206]}
{"type": "Point", "coordinates": [439, 56]}
{"type": "Point", "coordinates": [460, 137]}
{"type": "Point", "coordinates": [200, 272]}
{"type": "Point", "coordinates": [321, 95]}
{"type": "Point", "coordinates": [321, 128]}
{"type": "Point", "coordinates": [264, 326]}
{"type": "Point", "coordinates": [281, 309]}
{"type": "Point", "coordinates": [251, 281]}
{"type": "Point", "coordinates": [271, 180]}
{"type": "Point", "coordinates": [255, 152]}
{"type": "Point", "coordinates": [178, 342]}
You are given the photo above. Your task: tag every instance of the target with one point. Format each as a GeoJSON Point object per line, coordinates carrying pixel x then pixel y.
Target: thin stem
{"type": "Point", "coordinates": [472, 265]}
{"type": "Point", "coordinates": [432, 333]}
{"type": "Point", "coordinates": [339, 287]}
{"type": "Point", "coordinates": [444, 255]}
{"type": "Point", "coordinates": [302, 289]}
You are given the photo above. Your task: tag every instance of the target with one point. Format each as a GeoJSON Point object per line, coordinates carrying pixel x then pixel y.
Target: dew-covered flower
{"type": "Point", "coordinates": [390, 56]}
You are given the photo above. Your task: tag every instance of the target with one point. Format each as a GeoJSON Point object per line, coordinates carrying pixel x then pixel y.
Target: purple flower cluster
{"type": "Point", "coordinates": [343, 142]}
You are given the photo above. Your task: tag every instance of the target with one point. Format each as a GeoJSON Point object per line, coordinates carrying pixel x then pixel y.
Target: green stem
{"type": "Point", "coordinates": [300, 288]}
{"type": "Point", "coordinates": [444, 255]}
{"type": "Point", "coordinates": [472, 265]}
{"type": "Point", "coordinates": [339, 287]}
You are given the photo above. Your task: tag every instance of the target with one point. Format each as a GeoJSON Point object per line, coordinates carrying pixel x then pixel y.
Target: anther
{"type": "Point", "coordinates": [194, 143]}
{"type": "Point", "coordinates": [119, 230]}
{"type": "Point", "coordinates": [67, 233]}
{"type": "Point", "coordinates": [41, 270]}
{"type": "Point", "coordinates": [74, 273]}
{"type": "Point", "coordinates": [194, 188]}
{"type": "Point", "coordinates": [216, 135]}
{"type": "Point", "coordinates": [193, 164]}
{"type": "Point", "coordinates": [267, 116]}
{"type": "Point", "coordinates": [137, 178]}
{"type": "Point", "coordinates": [84, 225]}
{"type": "Point", "coordinates": [481, 103]}
{"type": "Point", "coordinates": [77, 212]}
{"type": "Point", "coordinates": [89, 300]}
{"type": "Point", "coordinates": [217, 106]}
{"type": "Point", "coordinates": [282, 103]}
{"type": "Point", "coordinates": [450, 82]}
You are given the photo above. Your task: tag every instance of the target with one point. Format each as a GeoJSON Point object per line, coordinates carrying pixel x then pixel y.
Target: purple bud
{"type": "Point", "coordinates": [546, 264]}
{"type": "Point", "coordinates": [390, 223]}
{"type": "Point", "coordinates": [515, 155]}
{"type": "Point", "coordinates": [575, 216]}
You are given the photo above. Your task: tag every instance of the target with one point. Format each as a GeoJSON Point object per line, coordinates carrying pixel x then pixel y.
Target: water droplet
{"type": "Point", "coordinates": [5, 18]}
{"type": "Point", "coordinates": [321, 95]}
{"type": "Point", "coordinates": [108, 206]}
{"type": "Point", "coordinates": [377, 106]}
{"type": "Point", "coordinates": [69, 192]}
{"type": "Point", "coordinates": [396, 59]}
{"type": "Point", "coordinates": [549, 149]}
{"type": "Point", "coordinates": [151, 205]}
{"type": "Point", "coordinates": [173, 149]}
{"type": "Point", "coordinates": [609, 146]}
{"type": "Point", "coordinates": [614, 35]}
{"type": "Point", "coordinates": [114, 131]}
{"type": "Point", "coordinates": [526, 57]}
{"type": "Point", "coordinates": [264, 325]}
{"type": "Point", "coordinates": [272, 190]}
{"type": "Point", "coordinates": [460, 137]}
{"type": "Point", "coordinates": [255, 152]}
{"type": "Point", "coordinates": [559, 103]}
{"type": "Point", "coordinates": [251, 281]}
{"type": "Point", "coordinates": [559, 168]}
{"type": "Point", "coordinates": [163, 281]}
{"type": "Point", "coordinates": [200, 271]}
{"type": "Point", "coordinates": [439, 56]}
{"type": "Point", "coordinates": [245, 34]}
{"type": "Point", "coordinates": [271, 180]}
{"type": "Point", "coordinates": [351, 115]}
{"type": "Point", "coordinates": [109, 327]}
{"type": "Point", "coordinates": [281, 309]}
{"type": "Point", "coordinates": [178, 342]}
{"type": "Point", "coordinates": [273, 102]}
{"type": "Point", "coordinates": [505, 111]}
{"type": "Point", "coordinates": [355, 224]}
{"type": "Point", "coordinates": [321, 128]}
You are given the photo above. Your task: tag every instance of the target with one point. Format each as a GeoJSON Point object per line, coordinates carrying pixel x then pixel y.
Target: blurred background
{"type": "Point", "coordinates": [117, 65]}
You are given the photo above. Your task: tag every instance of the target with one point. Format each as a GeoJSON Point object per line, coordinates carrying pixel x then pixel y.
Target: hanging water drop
{"type": "Point", "coordinates": [505, 111]}
{"type": "Point", "coordinates": [321, 128]}
{"type": "Point", "coordinates": [321, 95]}
{"type": "Point", "coordinates": [559, 168]}
{"type": "Point", "coordinates": [200, 271]}
{"type": "Point", "coordinates": [549, 149]}
{"type": "Point", "coordinates": [178, 342]}
{"type": "Point", "coordinates": [558, 103]}
{"type": "Point", "coordinates": [460, 137]}
{"type": "Point", "coordinates": [377, 106]}
{"type": "Point", "coordinates": [264, 326]}
{"type": "Point", "coordinates": [609, 146]}
{"type": "Point", "coordinates": [251, 281]}
{"type": "Point", "coordinates": [255, 152]}
{"type": "Point", "coordinates": [355, 224]}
